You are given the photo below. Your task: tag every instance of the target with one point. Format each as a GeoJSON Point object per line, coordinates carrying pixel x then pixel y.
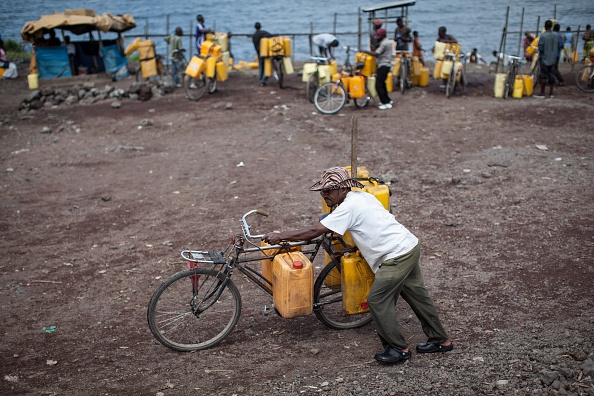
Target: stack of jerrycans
{"type": "Point", "coordinates": [291, 276]}
{"type": "Point", "coordinates": [356, 277]}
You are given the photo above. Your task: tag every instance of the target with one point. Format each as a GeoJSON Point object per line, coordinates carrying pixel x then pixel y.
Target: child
{"type": "Point", "coordinates": [417, 49]}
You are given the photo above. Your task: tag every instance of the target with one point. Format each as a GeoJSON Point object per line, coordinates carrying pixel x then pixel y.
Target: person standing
{"type": "Point", "coordinates": [568, 44]}
{"type": "Point", "coordinates": [402, 35]}
{"type": "Point", "coordinates": [443, 37]}
{"type": "Point", "coordinates": [528, 39]}
{"type": "Point", "coordinates": [391, 251]}
{"type": "Point", "coordinates": [417, 48]}
{"type": "Point", "coordinates": [201, 32]}
{"type": "Point", "coordinates": [71, 50]}
{"type": "Point", "coordinates": [377, 24]}
{"type": "Point", "coordinates": [256, 38]}
{"type": "Point", "coordinates": [385, 59]}
{"type": "Point", "coordinates": [588, 38]}
{"type": "Point", "coordinates": [325, 42]}
{"type": "Point", "coordinates": [548, 48]}
{"type": "Point", "coordinates": [558, 76]}
{"type": "Point", "coordinates": [176, 55]}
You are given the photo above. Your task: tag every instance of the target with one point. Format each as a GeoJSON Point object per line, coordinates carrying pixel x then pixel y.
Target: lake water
{"type": "Point", "coordinates": [475, 23]}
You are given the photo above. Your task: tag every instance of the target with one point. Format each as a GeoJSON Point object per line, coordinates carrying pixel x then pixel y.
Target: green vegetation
{"type": "Point", "coordinates": [15, 51]}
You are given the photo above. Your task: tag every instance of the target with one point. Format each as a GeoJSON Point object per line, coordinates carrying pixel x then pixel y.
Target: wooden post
{"type": "Point", "coordinates": [502, 44]}
{"type": "Point", "coordinates": [190, 36]}
{"type": "Point", "coordinates": [310, 37]}
{"type": "Point", "coordinates": [521, 28]}
{"type": "Point", "coordinates": [146, 29]}
{"type": "Point", "coordinates": [359, 28]}
{"type": "Point", "coordinates": [354, 137]}
{"type": "Point", "coordinates": [167, 42]}
{"type": "Point", "coordinates": [334, 28]}
{"type": "Point", "coordinates": [537, 26]}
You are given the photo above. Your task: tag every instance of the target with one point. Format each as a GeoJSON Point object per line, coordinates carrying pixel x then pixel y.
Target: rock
{"type": "Point", "coordinates": [116, 104]}
{"type": "Point", "coordinates": [71, 100]}
{"type": "Point", "coordinates": [46, 129]}
{"type": "Point", "coordinates": [228, 106]}
{"type": "Point", "coordinates": [157, 91]}
{"type": "Point", "coordinates": [133, 96]}
{"type": "Point", "coordinates": [88, 100]}
{"type": "Point", "coordinates": [109, 89]}
{"type": "Point", "coordinates": [47, 91]}
{"type": "Point", "coordinates": [35, 95]}
{"type": "Point", "coordinates": [35, 104]}
{"type": "Point", "coordinates": [588, 368]}
{"type": "Point", "coordinates": [135, 88]}
{"type": "Point", "coordinates": [94, 91]}
{"type": "Point", "coordinates": [486, 175]}
{"type": "Point", "coordinates": [501, 383]}
{"type": "Point", "coordinates": [145, 93]}
{"type": "Point", "coordinates": [146, 122]}
{"type": "Point", "coordinates": [81, 93]}
{"type": "Point", "coordinates": [548, 377]}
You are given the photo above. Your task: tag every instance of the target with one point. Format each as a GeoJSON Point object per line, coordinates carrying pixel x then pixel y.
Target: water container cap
{"type": "Point", "coordinates": [297, 264]}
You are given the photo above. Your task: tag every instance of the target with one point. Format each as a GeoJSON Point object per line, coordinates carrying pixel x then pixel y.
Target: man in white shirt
{"type": "Point", "coordinates": [392, 253]}
{"type": "Point", "coordinates": [325, 42]}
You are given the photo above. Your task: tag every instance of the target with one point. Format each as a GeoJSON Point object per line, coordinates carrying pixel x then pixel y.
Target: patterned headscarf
{"type": "Point", "coordinates": [335, 178]}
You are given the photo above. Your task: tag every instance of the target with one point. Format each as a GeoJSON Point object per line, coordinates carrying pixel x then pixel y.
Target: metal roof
{"type": "Point", "coordinates": [387, 6]}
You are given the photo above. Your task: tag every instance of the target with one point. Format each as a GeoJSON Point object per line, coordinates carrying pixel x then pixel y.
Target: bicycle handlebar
{"type": "Point", "coordinates": [246, 228]}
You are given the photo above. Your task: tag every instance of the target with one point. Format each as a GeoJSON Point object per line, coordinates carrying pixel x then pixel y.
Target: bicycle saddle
{"type": "Point", "coordinates": [359, 65]}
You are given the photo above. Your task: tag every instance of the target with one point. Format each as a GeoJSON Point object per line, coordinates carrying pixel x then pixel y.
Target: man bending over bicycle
{"type": "Point", "coordinates": [391, 251]}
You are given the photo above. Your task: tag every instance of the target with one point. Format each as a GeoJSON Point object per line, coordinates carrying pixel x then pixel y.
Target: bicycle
{"type": "Point", "coordinates": [196, 87]}
{"type": "Point", "coordinates": [584, 77]}
{"type": "Point", "coordinates": [535, 70]}
{"type": "Point", "coordinates": [313, 82]}
{"type": "Point", "coordinates": [456, 77]}
{"type": "Point", "coordinates": [513, 71]}
{"type": "Point", "coordinates": [405, 68]}
{"type": "Point", "coordinates": [198, 308]}
{"type": "Point", "coordinates": [278, 70]}
{"type": "Point", "coordinates": [332, 96]}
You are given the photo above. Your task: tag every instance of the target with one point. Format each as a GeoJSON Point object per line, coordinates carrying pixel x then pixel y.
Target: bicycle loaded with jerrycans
{"type": "Point", "coordinates": [350, 83]}
{"type": "Point", "coordinates": [204, 71]}
{"type": "Point", "coordinates": [199, 307]}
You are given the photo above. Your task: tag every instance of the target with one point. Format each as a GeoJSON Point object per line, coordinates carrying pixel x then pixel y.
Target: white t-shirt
{"type": "Point", "coordinates": [375, 231]}
{"type": "Point", "coordinates": [323, 40]}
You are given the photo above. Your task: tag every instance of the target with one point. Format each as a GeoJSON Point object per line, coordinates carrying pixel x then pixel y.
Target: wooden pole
{"type": "Point", "coordinates": [310, 37]}
{"type": "Point", "coordinates": [354, 137]}
{"type": "Point", "coordinates": [334, 29]}
{"type": "Point", "coordinates": [521, 28]}
{"type": "Point", "coordinates": [359, 28]}
{"type": "Point", "coordinates": [502, 44]}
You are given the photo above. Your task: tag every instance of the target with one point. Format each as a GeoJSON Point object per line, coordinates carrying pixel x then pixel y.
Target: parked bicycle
{"type": "Point", "coordinates": [584, 78]}
{"type": "Point", "coordinates": [513, 71]}
{"type": "Point", "coordinates": [456, 77]}
{"type": "Point", "coordinates": [404, 80]}
{"type": "Point", "coordinates": [313, 82]}
{"type": "Point", "coordinates": [197, 308]}
{"type": "Point", "coordinates": [332, 96]}
{"type": "Point", "coordinates": [196, 87]}
{"type": "Point", "coordinates": [278, 70]}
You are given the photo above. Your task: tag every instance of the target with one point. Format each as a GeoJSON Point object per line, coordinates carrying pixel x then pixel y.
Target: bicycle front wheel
{"type": "Point", "coordinates": [328, 301]}
{"type": "Point", "coordinates": [195, 88]}
{"type": "Point", "coordinates": [279, 69]}
{"type": "Point", "coordinates": [313, 83]}
{"type": "Point", "coordinates": [194, 310]}
{"type": "Point", "coordinates": [585, 78]}
{"type": "Point", "coordinates": [451, 82]}
{"type": "Point", "coordinates": [403, 76]}
{"type": "Point", "coordinates": [330, 98]}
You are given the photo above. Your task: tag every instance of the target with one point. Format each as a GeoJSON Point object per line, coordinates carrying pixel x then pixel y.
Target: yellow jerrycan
{"type": "Point", "coordinates": [518, 87]}
{"type": "Point", "coordinates": [499, 85]}
{"type": "Point", "coordinates": [356, 280]}
{"type": "Point", "coordinates": [292, 284]}
{"type": "Point", "coordinates": [437, 70]}
{"type": "Point", "coordinates": [267, 263]}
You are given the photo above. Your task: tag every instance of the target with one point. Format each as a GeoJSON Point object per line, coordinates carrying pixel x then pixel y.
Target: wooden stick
{"type": "Point", "coordinates": [45, 281]}
{"type": "Point", "coordinates": [354, 137]}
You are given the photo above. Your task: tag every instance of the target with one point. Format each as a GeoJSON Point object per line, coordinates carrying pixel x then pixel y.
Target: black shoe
{"type": "Point", "coordinates": [431, 347]}
{"type": "Point", "coordinates": [392, 355]}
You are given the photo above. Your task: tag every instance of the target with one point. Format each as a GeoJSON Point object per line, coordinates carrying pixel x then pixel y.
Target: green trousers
{"type": "Point", "coordinates": [401, 276]}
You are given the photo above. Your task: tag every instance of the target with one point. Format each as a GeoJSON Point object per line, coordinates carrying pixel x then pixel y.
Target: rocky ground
{"type": "Point", "coordinates": [98, 199]}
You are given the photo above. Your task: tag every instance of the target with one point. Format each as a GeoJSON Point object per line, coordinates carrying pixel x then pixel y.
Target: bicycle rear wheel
{"type": "Point", "coordinates": [212, 84]}
{"type": "Point", "coordinates": [509, 84]}
{"type": "Point", "coordinates": [328, 301]}
{"type": "Point", "coordinates": [330, 98]}
{"type": "Point", "coordinates": [194, 310]}
{"type": "Point", "coordinates": [313, 83]}
{"type": "Point", "coordinates": [364, 101]}
{"type": "Point", "coordinates": [403, 76]}
{"type": "Point", "coordinates": [195, 88]}
{"type": "Point", "coordinates": [279, 70]}
{"type": "Point", "coordinates": [585, 78]}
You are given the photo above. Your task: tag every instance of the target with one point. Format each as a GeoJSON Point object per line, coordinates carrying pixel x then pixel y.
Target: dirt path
{"type": "Point", "coordinates": [93, 216]}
